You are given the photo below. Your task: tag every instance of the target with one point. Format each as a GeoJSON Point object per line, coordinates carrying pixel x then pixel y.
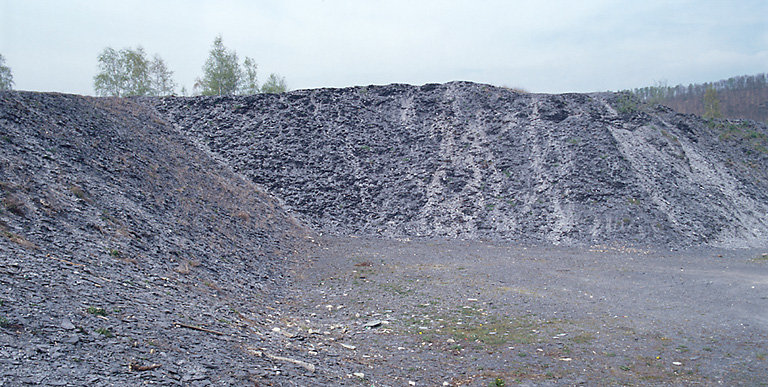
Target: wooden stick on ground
{"type": "Point", "coordinates": [138, 367]}
{"type": "Point", "coordinates": [197, 328]}
{"type": "Point", "coordinates": [308, 366]}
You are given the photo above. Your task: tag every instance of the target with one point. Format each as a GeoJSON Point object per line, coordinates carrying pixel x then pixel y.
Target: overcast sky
{"type": "Point", "coordinates": [542, 46]}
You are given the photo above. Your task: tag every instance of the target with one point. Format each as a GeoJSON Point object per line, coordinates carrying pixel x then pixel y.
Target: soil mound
{"type": "Point", "coordinates": [118, 240]}
{"type": "Point", "coordinates": [474, 161]}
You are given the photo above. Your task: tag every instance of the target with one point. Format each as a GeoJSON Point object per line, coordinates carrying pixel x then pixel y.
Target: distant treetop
{"type": "Point", "coordinates": [128, 72]}
{"type": "Point", "coordinates": [744, 96]}
{"type": "Point", "coordinates": [223, 74]}
{"type": "Point", "coordinates": [6, 77]}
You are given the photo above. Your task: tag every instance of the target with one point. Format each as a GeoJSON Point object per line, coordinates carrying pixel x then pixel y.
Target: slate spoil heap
{"type": "Point", "coordinates": [149, 240]}
{"type": "Point", "coordinates": [474, 161]}
{"type": "Point", "coordinates": [119, 240]}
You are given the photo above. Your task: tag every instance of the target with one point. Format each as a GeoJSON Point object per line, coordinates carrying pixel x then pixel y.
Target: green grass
{"type": "Point", "coordinates": [625, 104]}
{"type": "Point", "coordinates": [742, 132]}
{"type": "Point", "coordinates": [490, 330]}
{"type": "Point", "coordinates": [397, 289]}
{"type": "Point", "coordinates": [583, 338]}
{"type": "Point", "coordinates": [498, 382]}
{"type": "Point", "coordinates": [96, 311]}
{"type": "Point", "coordinates": [105, 332]}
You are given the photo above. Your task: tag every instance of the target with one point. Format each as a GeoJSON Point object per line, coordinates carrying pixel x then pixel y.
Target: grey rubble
{"type": "Point", "coordinates": [148, 240]}
{"type": "Point", "coordinates": [113, 229]}
{"type": "Point", "coordinates": [474, 161]}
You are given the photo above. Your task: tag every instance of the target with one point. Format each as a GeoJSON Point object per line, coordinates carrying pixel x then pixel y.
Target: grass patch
{"type": "Point", "coordinates": [96, 311]}
{"type": "Point", "coordinates": [583, 338]}
{"type": "Point", "coordinates": [77, 191]}
{"type": "Point", "coordinates": [14, 205]}
{"type": "Point", "coordinates": [397, 289]}
{"type": "Point", "coordinates": [494, 331]}
{"type": "Point", "coordinates": [105, 332]}
{"type": "Point", "coordinates": [742, 132]}
{"type": "Point", "coordinates": [669, 136]}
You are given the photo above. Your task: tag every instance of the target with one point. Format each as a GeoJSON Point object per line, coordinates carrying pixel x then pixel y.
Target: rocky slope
{"type": "Point", "coordinates": [118, 240]}
{"type": "Point", "coordinates": [475, 161]}
{"type": "Point", "coordinates": [139, 242]}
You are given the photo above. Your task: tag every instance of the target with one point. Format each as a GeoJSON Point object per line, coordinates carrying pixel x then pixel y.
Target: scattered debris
{"type": "Point", "coordinates": [138, 368]}
{"type": "Point", "coordinates": [308, 366]}
{"type": "Point", "coordinates": [197, 328]}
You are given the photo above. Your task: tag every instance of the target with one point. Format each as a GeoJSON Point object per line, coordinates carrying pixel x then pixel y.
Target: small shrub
{"type": "Point", "coordinates": [625, 104]}
{"type": "Point", "coordinates": [18, 239]}
{"type": "Point", "coordinates": [186, 266]}
{"type": "Point", "coordinates": [243, 215]}
{"type": "Point", "coordinates": [77, 191]}
{"type": "Point", "coordinates": [106, 332]}
{"type": "Point", "coordinates": [97, 311]}
{"type": "Point", "coordinates": [516, 89]}
{"type": "Point", "coordinates": [115, 253]}
{"type": "Point", "coordinates": [498, 382]}
{"type": "Point", "coordinates": [14, 205]}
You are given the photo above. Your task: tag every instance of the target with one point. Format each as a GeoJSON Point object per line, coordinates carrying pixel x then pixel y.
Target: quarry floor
{"type": "Point", "coordinates": [382, 312]}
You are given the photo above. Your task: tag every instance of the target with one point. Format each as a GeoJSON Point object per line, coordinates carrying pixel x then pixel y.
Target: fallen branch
{"type": "Point", "coordinates": [138, 367]}
{"type": "Point", "coordinates": [197, 328]}
{"type": "Point", "coordinates": [64, 260]}
{"type": "Point", "coordinates": [309, 367]}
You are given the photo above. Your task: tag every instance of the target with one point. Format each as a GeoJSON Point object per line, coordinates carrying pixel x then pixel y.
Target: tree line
{"type": "Point", "coordinates": [744, 96]}
{"type": "Point", "coordinates": [129, 72]}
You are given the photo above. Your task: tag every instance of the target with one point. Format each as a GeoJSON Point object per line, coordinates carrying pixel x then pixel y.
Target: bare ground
{"type": "Point", "coordinates": [438, 312]}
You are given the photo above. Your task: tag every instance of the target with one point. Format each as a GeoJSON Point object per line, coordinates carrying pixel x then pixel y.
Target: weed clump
{"type": "Point", "coordinates": [14, 205]}
{"type": "Point", "coordinates": [105, 332]}
{"type": "Point", "coordinates": [626, 104]}
{"type": "Point", "coordinates": [96, 311]}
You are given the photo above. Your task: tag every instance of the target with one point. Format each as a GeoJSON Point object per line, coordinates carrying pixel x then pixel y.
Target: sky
{"type": "Point", "coordinates": [540, 46]}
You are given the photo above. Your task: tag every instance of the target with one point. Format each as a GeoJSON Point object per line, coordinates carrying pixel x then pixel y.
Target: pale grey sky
{"type": "Point", "coordinates": [542, 46]}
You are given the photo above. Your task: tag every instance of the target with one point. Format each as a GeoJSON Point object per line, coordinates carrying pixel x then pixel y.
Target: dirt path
{"type": "Point", "coordinates": [387, 312]}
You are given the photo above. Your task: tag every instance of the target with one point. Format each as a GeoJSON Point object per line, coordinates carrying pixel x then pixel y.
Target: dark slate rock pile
{"type": "Point", "coordinates": [474, 161]}
{"type": "Point", "coordinates": [147, 240]}
{"type": "Point", "coordinates": [127, 255]}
